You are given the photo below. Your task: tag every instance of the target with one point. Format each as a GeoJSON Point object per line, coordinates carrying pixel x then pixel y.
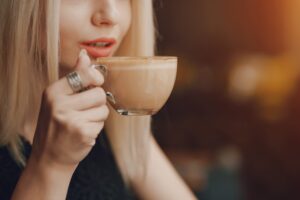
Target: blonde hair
{"type": "Point", "coordinates": [29, 43]}
{"type": "Point", "coordinates": [129, 136]}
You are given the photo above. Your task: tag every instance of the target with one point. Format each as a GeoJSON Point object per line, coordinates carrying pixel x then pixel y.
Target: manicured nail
{"type": "Point", "coordinates": [82, 52]}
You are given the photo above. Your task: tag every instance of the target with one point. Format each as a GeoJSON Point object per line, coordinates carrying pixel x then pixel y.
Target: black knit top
{"type": "Point", "coordinates": [96, 178]}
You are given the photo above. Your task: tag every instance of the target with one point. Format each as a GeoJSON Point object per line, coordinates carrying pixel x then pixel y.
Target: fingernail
{"type": "Point", "coordinates": [82, 52]}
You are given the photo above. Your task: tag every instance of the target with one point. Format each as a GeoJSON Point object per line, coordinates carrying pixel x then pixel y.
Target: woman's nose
{"type": "Point", "coordinates": [105, 14]}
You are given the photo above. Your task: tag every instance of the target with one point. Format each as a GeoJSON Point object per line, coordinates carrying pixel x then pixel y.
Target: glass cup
{"type": "Point", "coordinates": [137, 85]}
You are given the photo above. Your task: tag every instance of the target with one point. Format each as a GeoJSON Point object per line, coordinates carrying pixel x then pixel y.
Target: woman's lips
{"type": "Point", "coordinates": [101, 47]}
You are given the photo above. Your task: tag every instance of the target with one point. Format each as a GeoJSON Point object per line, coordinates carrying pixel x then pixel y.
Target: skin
{"type": "Point", "coordinates": [94, 19]}
{"type": "Point", "coordinates": [68, 123]}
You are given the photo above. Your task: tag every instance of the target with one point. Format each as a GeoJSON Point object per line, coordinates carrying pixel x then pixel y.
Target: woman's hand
{"type": "Point", "coordinates": [69, 123]}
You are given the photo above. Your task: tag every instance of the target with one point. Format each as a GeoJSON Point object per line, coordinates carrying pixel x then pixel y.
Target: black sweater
{"type": "Point", "coordinates": [96, 178]}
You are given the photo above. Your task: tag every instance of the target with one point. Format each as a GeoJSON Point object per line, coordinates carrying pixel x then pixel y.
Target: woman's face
{"type": "Point", "coordinates": [95, 25]}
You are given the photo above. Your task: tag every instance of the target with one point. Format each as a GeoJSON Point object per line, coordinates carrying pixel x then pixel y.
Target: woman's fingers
{"type": "Point", "coordinates": [75, 119]}
{"type": "Point", "coordinates": [89, 76]}
{"type": "Point", "coordinates": [87, 99]}
{"type": "Point", "coordinates": [93, 129]}
{"type": "Point", "coordinates": [98, 114]}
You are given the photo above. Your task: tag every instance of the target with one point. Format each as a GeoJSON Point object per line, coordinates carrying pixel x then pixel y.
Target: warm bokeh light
{"type": "Point", "coordinates": [237, 96]}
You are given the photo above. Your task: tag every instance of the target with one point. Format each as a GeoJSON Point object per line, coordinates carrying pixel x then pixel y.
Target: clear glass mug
{"type": "Point", "coordinates": [138, 85]}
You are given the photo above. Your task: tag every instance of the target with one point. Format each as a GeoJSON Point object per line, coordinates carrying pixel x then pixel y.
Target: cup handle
{"type": "Point", "coordinates": [111, 97]}
{"type": "Point", "coordinates": [103, 70]}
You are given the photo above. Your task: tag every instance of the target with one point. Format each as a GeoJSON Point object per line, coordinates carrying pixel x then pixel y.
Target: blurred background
{"type": "Point", "coordinates": [232, 124]}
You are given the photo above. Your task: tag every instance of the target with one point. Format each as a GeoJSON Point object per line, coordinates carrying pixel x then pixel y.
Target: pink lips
{"type": "Point", "coordinates": [101, 47]}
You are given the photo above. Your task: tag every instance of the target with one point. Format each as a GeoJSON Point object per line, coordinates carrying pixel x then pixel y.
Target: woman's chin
{"type": "Point", "coordinates": [64, 70]}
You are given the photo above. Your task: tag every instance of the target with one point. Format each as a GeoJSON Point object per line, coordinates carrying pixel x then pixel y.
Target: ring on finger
{"type": "Point", "coordinates": [75, 82]}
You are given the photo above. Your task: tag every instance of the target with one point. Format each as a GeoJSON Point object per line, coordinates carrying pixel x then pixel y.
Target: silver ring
{"type": "Point", "coordinates": [75, 82]}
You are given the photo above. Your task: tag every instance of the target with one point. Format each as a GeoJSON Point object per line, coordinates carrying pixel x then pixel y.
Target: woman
{"type": "Point", "coordinates": [56, 125]}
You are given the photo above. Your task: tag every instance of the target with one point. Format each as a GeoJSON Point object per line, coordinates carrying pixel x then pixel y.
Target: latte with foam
{"type": "Point", "coordinates": [138, 85]}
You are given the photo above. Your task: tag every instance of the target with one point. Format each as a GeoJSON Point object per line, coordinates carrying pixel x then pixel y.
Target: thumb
{"type": "Point", "coordinates": [83, 60]}
{"type": "Point", "coordinates": [90, 77]}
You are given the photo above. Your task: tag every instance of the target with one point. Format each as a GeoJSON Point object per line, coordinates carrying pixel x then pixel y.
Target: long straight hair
{"type": "Point", "coordinates": [29, 54]}
{"type": "Point", "coordinates": [29, 61]}
{"type": "Point", "coordinates": [129, 136]}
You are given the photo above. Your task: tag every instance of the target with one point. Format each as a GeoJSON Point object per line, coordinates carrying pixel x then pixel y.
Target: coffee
{"type": "Point", "coordinates": [139, 85]}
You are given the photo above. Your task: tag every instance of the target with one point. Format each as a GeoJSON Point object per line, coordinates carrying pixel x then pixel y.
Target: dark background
{"type": "Point", "coordinates": [231, 125]}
